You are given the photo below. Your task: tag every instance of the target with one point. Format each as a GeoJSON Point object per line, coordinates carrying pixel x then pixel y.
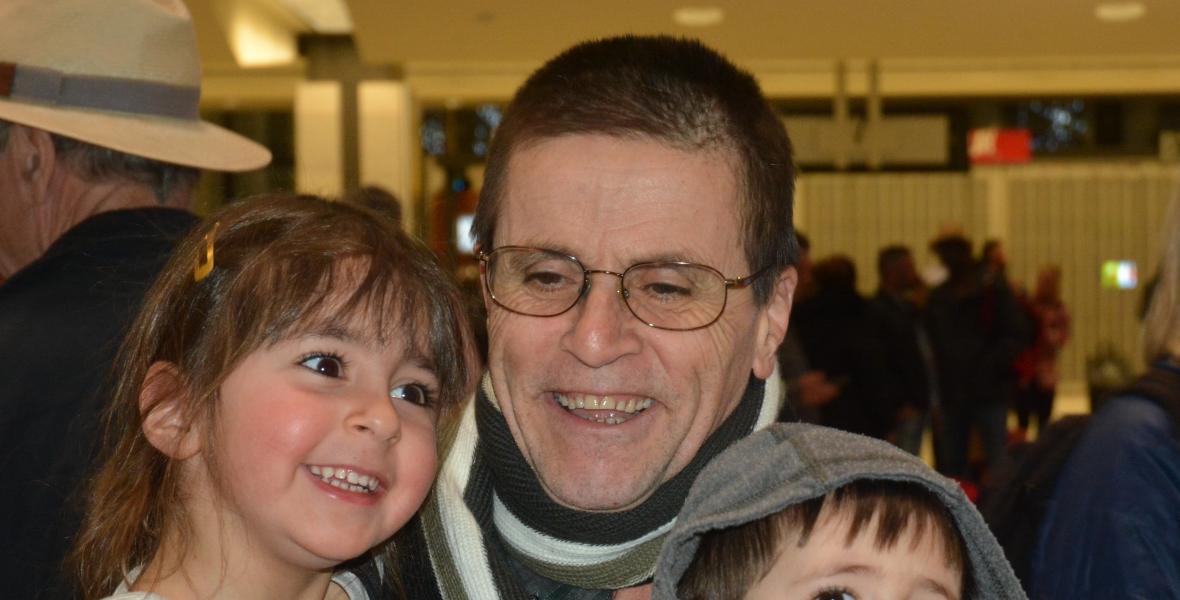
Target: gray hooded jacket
{"type": "Point", "coordinates": [789, 463]}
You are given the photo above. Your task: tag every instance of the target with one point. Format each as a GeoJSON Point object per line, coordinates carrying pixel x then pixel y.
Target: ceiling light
{"type": "Point", "coordinates": [257, 41]}
{"type": "Point", "coordinates": [1120, 12]}
{"type": "Point", "coordinates": [323, 16]}
{"type": "Point", "coordinates": [698, 16]}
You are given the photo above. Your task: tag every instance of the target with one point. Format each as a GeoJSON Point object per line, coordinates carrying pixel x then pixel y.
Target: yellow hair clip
{"type": "Point", "coordinates": [203, 269]}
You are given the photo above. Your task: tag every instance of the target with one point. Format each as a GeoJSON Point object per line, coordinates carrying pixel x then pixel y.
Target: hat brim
{"type": "Point", "coordinates": [189, 143]}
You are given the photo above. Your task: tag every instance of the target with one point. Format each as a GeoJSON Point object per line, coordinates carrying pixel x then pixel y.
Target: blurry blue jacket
{"type": "Point", "coordinates": [1112, 529]}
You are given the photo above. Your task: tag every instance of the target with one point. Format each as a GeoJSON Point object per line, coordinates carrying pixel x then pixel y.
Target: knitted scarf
{"type": "Point", "coordinates": [488, 504]}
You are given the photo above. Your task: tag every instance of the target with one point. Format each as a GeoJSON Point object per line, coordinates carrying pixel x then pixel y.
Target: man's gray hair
{"type": "Point", "coordinates": [95, 163]}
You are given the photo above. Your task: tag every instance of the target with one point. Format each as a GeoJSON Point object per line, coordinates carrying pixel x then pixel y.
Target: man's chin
{"type": "Point", "coordinates": [597, 494]}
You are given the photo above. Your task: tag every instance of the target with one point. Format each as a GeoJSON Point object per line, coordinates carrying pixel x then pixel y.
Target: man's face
{"type": "Point", "coordinates": [612, 203]}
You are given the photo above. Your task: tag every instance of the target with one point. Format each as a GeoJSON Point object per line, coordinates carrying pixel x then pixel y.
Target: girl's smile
{"type": "Point", "coordinates": [325, 445]}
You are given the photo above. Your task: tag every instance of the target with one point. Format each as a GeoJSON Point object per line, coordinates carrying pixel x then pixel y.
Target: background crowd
{"type": "Point", "coordinates": [950, 357]}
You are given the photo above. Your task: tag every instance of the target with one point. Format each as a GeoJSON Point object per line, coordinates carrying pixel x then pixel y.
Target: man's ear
{"type": "Point", "coordinates": [163, 400]}
{"type": "Point", "coordinates": [35, 159]}
{"type": "Point", "coordinates": [772, 327]}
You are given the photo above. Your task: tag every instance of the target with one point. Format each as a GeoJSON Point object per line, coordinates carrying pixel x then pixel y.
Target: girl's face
{"type": "Point", "coordinates": [326, 445]}
{"type": "Point", "coordinates": [828, 568]}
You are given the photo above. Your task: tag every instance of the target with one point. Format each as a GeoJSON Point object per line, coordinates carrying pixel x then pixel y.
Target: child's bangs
{"type": "Point", "coordinates": [382, 287]}
{"type": "Point", "coordinates": [899, 508]}
{"type": "Point", "coordinates": [366, 297]}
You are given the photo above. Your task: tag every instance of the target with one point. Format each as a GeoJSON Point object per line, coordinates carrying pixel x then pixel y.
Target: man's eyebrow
{"type": "Point", "coordinates": [647, 258]}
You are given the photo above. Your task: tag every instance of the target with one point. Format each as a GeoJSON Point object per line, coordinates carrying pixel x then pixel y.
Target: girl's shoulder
{"type": "Point", "coordinates": [134, 596]}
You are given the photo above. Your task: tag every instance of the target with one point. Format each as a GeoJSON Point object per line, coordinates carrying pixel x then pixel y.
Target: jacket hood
{"type": "Point", "coordinates": [789, 463]}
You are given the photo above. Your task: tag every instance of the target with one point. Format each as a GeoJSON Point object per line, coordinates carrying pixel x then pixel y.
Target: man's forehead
{"type": "Point", "coordinates": [621, 199]}
{"type": "Point", "coordinates": [555, 165]}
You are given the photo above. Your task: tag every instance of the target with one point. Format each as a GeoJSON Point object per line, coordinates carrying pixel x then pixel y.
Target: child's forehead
{"type": "Point", "coordinates": [918, 553]}
{"type": "Point", "coordinates": [363, 326]}
{"type": "Point", "coordinates": [380, 323]}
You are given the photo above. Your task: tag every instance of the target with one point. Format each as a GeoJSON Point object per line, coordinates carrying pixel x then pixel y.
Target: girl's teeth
{"type": "Point", "coordinates": [345, 479]}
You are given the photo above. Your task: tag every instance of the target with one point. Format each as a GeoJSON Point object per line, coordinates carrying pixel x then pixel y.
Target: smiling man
{"type": "Point", "coordinates": [636, 247]}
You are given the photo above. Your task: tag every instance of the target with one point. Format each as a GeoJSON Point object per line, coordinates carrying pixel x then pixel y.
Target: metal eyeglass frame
{"type": "Point", "coordinates": [730, 283]}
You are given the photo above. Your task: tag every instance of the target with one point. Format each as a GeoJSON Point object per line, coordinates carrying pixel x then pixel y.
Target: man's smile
{"type": "Point", "coordinates": [608, 410]}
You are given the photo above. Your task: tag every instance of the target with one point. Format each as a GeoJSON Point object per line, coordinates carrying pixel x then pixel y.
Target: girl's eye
{"type": "Point", "coordinates": [412, 393]}
{"type": "Point", "coordinates": [324, 364]}
{"type": "Point", "coordinates": [835, 594]}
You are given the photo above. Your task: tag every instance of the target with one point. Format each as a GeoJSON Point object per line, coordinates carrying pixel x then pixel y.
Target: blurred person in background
{"type": "Point", "coordinates": [910, 373]}
{"type": "Point", "coordinates": [100, 148]}
{"type": "Point", "coordinates": [977, 330]}
{"type": "Point", "coordinates": [1036, 367]}
{"type": "Point", "coordinates": [994, 261]}
{"type": "Point", "coordinates": [837, 336]}
{"type": "Point", "coordinates": [808, 390]}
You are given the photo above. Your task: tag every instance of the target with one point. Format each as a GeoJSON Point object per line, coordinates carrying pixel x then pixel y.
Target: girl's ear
{"type": "Point", "coordinates": [162, 403]}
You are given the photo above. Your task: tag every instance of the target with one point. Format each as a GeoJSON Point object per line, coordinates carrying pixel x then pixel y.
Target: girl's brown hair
{"type": "Point", "coordinates": [277, 270]}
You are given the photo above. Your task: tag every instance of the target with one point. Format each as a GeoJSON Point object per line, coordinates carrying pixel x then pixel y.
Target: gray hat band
{"type": "Point", "coordinates": [48, 86]}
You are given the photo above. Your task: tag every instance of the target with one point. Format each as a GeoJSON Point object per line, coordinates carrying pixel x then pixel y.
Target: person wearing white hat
{"type": "Point", "coordinates": [101, 145]}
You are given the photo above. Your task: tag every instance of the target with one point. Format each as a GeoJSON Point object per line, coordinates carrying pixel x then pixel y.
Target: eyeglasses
{"type": "Point", "coordinates": [679, 296]}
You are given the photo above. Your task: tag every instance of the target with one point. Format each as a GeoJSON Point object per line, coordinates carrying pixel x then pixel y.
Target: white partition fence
{"type": "Point", "coordinates": [1075, 215]}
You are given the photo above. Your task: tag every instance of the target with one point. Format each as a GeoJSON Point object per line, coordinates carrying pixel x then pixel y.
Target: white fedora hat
{"type": "Point", "coordinates": [122, 74]}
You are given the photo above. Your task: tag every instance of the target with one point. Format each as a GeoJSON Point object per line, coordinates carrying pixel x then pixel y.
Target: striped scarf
{"type": "Point", "coordinates": [488, 504]}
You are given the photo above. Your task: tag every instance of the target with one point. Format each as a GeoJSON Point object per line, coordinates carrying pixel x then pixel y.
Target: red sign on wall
{"type": "Point", "coordinates": [995, 146]}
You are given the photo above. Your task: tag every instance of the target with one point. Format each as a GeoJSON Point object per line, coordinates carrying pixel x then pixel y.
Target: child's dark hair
{"type": "Point", "coordinates": [281, 264]}
{"type": "Point", "coordinates": [730, 561]}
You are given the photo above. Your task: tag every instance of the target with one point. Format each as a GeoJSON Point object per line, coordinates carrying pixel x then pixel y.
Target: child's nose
{"type": "Point", "coordinates": [376, 416]}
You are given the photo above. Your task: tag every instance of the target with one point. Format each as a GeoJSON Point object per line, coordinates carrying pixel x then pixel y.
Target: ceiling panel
{"type": "Point", "coordinates": [519, 30]}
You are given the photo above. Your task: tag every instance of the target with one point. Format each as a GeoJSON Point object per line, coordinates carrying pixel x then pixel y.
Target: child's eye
{"type": "Point", "coordinates": [412, 393]}
{"type": "Point", "coordinates": [324, 364]}
{"type": "Point", "coordinates": [835, 594]}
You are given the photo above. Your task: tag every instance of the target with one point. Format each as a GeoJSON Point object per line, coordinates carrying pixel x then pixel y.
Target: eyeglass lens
{"type": "Point", "coordinates": [545, 283]}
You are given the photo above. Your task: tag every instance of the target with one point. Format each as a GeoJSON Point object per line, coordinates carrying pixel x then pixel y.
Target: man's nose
{"type": "Point", "coordinates": [603, 328]}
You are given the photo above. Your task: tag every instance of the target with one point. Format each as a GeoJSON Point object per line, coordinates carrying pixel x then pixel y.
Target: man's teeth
{"type": "Point", "coordinates": [345, 479]}
{"type": "Point", "coordinates": [603, 403]}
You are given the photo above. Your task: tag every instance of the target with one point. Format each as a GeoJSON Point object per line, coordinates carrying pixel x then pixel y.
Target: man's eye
{"type": "Point", "coordinates": [412, 393]}
{"type": "Point", "coordinates": [546, 279]}
{"type": "Point", "coordinates": [668, 290]}
{"type": "Point", "coordinates": [324, 364]}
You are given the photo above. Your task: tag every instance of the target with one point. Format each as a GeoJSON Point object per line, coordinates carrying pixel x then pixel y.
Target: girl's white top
{"type": "Point", "coordinates": [347, 581]}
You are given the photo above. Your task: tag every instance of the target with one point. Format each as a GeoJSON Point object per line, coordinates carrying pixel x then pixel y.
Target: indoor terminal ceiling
{"type": "Point", "coordinates": [529, 30]}
{"type": "Point", "coordinates": [450, 48]}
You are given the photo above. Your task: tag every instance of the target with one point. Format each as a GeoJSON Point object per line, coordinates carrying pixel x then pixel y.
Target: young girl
{"type": "Point", "coordinates": [277, 410]}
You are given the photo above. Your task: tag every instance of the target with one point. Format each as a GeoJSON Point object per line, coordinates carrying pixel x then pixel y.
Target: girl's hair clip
{"type": "Point", "coordinates": [203, 269]}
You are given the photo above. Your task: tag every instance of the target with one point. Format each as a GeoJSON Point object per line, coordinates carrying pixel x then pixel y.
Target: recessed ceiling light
{"type": "Point", "coordinates": [1120, 12]}
{"type": "Point", "coordinates": [323, 16]}
{"type": "Point", "coordinates": [698, 16]}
